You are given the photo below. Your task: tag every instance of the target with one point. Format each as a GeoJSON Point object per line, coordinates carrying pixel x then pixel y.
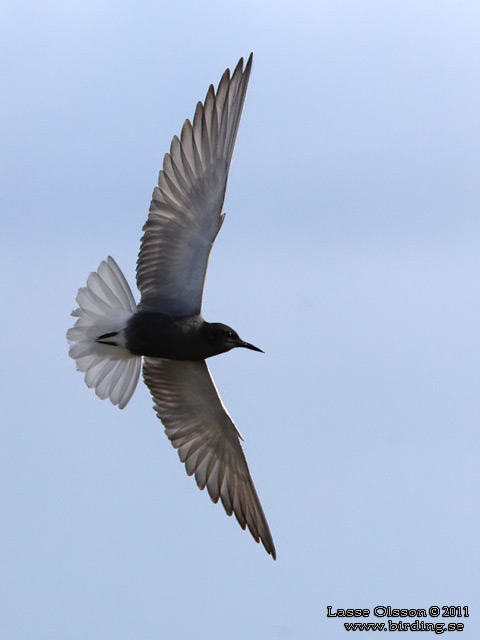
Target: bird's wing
{"type": "Point", "coordinates": [186, 209]}
{"type": "Point", "coordinates": [198, 425]}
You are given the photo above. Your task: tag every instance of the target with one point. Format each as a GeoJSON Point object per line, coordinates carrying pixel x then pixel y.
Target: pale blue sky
{"type": "Point", "coordinates": [350, 254]}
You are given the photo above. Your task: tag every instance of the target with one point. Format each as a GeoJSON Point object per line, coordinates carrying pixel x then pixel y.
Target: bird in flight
{"type": "Point", "coordinates": [113, 336]}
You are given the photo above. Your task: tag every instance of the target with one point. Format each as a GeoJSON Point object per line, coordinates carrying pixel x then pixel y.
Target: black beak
{"type": "Point", "coordinates": [247, 345]}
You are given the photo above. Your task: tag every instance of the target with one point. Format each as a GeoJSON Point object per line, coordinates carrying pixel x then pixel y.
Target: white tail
{"type": "Point", "coordinates": [104, 308]}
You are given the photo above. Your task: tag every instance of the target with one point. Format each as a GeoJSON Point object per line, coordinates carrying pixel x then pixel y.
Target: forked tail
{"type": "Point", "coordinates": [105, 305]}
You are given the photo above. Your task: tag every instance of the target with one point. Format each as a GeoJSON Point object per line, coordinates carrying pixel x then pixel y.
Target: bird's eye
{"type": "Point", "coordinates": [229, 334]}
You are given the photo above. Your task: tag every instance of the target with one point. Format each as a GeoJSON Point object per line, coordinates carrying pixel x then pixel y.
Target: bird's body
{"type": "Point", "coordinates": [166, 333]}
{"type": "Point", "coordinates": [154, 334]}
{"type": "Point", "coordinates": [158, 335]}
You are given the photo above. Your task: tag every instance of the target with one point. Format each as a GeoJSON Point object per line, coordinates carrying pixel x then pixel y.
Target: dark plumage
{"type": "Point", "coordinates": [154, 334]}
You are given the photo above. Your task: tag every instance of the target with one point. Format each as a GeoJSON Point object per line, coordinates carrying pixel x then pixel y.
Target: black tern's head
{"type": "Point", "coordinates": [223, 338]}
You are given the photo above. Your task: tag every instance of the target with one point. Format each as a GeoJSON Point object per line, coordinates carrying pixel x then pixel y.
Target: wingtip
{"type": "Point", "coordinates": [240, 67]}
{"type": "Point", "coordinates": [269, 546]}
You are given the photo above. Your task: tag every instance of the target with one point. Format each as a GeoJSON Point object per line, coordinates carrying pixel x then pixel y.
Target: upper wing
{"type": "Point", "coordinates": [198, 425]}
{"type": "Point", "coordinates": [186, 209]}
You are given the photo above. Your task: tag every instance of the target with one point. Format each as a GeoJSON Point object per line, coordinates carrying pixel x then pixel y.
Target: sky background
{"type": "Point", "coordinates": [350, 254]}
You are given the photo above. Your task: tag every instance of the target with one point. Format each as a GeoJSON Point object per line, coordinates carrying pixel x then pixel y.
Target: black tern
{"type": "Point", "coordinates": [113, 335]}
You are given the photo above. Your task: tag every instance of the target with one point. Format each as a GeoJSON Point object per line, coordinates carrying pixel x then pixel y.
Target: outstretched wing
{"type": "Point", "coordinates": [186, 209]}
{"type": "Point", "coordinates": [198, 425]}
